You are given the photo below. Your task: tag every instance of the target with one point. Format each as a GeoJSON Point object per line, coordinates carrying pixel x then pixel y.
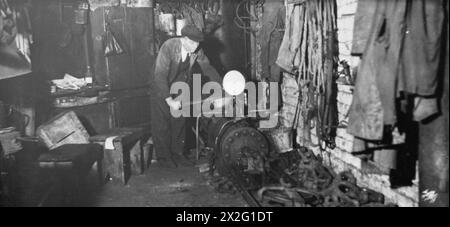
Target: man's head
{"type": "Point", "coordinates": [192, 37]}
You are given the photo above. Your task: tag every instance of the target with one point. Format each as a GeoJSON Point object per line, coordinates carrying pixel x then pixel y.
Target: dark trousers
{"type": "Point", "coordinates": [168, 132]}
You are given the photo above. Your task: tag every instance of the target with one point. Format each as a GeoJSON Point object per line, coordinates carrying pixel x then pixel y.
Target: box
{"type": "Point", "coordinates": [124, 153]}
{"type": "Point", "coordinates": [64, 128]}
{"type": "Point", "coordinates": [9, 143]}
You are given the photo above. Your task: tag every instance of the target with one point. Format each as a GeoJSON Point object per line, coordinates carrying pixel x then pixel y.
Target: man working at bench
{"type": "Point", "coordinates": [174, 63]}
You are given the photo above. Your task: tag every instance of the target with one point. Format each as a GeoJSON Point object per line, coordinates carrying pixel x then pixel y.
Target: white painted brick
{"type": "Point", "coordinates": [345, 88]}
{"type": "Point", "coordinates": [343, 108]}
{"type": "Point", "coordinates": [343, 118]}
{"type": "Point", "coordinates": [345, 24]}
{"type": "Point", "coordinates": [344, 144]}
{"type": "Point", "coordinates": [345, 98]}
{"type": "Point", "coordinates": [345, 50]}
{"type": "Point", "coordinates": [346, 7]}
{"type": "Point", "coordinates": [290, 101]}
{"type": "Point", "coordinates": [342, 133]}
{"type": "Point", "coordinates": [351, 159]}
{"type": "Point", "coordinates": [409, 191]}
{"type": "Point", "coordinates": [353, 61]}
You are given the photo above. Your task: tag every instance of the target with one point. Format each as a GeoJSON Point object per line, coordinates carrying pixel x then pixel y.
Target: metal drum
{"type": "Point", "coordinates": [239, 146]}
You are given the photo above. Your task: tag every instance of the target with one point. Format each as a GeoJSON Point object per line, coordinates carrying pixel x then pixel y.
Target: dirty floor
{"type": "Point", "coordinates": [180, 187]}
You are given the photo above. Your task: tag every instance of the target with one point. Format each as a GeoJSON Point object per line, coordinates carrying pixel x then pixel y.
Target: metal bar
{"type": "Point", "coordinates": [246, 194]}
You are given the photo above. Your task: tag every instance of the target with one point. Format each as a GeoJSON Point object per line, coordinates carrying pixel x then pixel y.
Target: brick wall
{"type": "Point", "coordinates": [341, 158]}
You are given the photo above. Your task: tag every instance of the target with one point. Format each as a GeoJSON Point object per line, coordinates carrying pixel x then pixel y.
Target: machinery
{"type": "Point", "coordinates": [240, 150]}
{"type": "Point", "coordinates": [242, 155]}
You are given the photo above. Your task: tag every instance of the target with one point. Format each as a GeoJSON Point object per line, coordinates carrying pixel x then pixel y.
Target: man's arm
{"type": "Point", "coordinates": [162, 71]}
{"type": "Point", "coordinates": [207, 69]}
{"type": "Point", "coordinates": [213, 75]}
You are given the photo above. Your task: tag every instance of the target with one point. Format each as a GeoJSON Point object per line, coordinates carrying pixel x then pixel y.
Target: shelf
{"type": "Point", "coordinates": [82, 92]}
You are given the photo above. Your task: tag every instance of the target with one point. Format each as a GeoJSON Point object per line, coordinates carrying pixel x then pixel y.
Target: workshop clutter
{"type": "Point", "coordinates": [300, 179]}
{"type": "Point", "coordinates": [304, 181]}
{"type": "Point", "coordinates": [125, 152]}
{"type": "Point", "coordinates": [64, 128]}
{"type": "Point", "coordinates": [240, 161]}
{"type": "Point", "coordinates": [69, 83]}
{"type": "Point", "coordinates": [111, 44]}
{"type": "Point", "coordinates": [172, 16]}
{"type": "Point", "coordinates": [9, 141]}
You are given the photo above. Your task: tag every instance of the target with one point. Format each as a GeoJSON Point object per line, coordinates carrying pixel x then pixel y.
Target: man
{"type": "Point", "coordinates": [173, 64]}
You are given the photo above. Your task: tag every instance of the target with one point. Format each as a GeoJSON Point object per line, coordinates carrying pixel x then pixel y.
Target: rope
{"type": "Point", "coordinates": [317, 63]}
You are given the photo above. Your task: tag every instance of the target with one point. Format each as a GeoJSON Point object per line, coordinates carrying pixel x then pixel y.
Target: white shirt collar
{"type": "Point", "coordinates": [184, 53]}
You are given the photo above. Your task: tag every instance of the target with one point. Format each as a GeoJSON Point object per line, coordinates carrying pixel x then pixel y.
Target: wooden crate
{"type": "Point", "coordinates": [65, 128]}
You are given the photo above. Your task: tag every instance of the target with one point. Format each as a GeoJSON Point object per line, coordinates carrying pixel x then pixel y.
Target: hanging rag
{"type": "Point", "coordinates": [272, 33]}
{"type": "Point", "coordinates": [290, 93]}
{"type": "Point", "coordinates": [289, 55]}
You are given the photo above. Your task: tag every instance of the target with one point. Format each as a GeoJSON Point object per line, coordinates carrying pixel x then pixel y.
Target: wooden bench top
{"type": "Point", "coordinates": [122, 134]}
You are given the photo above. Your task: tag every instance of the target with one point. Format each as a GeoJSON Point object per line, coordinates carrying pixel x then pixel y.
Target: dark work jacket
{"type": "Point", "coordinates": [167, 68]}
{"type": "Point", "coordinates": [401, 54]}
{"type": "Point", "coordinates": [364, 18]}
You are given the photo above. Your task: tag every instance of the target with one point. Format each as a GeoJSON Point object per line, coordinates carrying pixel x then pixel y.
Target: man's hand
{"type": "Point", "coordinates": [219, 103]}
{"type": "Point", "coordinates": [173, 104]}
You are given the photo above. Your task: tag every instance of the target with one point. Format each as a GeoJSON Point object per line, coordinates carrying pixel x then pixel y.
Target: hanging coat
{"type": "Point", "coordinates": [400, 56]}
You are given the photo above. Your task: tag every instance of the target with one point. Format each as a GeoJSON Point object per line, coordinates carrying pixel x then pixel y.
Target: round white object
{"type": "Point", "coordinates": [234, 83]}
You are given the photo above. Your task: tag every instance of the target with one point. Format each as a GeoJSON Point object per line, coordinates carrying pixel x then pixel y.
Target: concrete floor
{"type": "Point", "coordinates": [181, 187]}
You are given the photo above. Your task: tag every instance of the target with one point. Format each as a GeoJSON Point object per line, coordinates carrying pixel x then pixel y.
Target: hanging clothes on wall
{"type": "Point", "coordinates": [362, 25]}
{"type": "Point", "coordinates": [309, 52]}
{"type": "Point", "coordinates": [272, 33]}
{"type": "Point", "coordinates": [290, 93]}
{"type": "Point", "coordinates": [288, 55]}
{"type": "Point", "coordinates": [402, 55]}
